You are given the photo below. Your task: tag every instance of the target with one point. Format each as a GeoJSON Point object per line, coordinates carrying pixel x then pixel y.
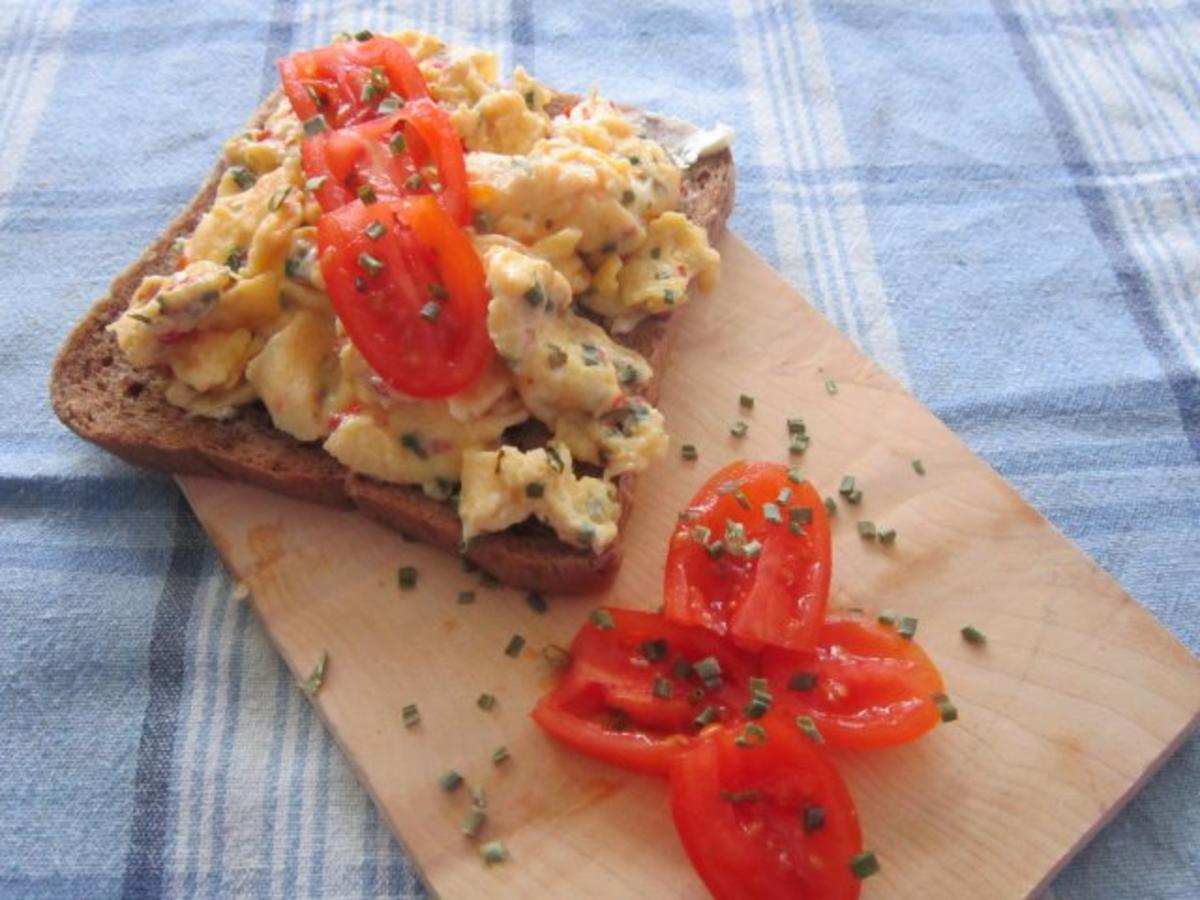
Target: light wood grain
{"type": "Point", "coordinates": [1077, 696]}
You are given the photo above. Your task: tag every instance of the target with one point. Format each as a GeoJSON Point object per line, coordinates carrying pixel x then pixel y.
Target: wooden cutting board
{"type": "Point", "coordinates": [1077, 697]}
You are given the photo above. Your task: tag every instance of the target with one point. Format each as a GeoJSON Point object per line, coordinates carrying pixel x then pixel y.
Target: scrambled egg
{"type": "Point", "coordinates": [573, 207]}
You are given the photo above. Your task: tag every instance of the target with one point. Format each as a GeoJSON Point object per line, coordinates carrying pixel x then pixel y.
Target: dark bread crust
{"type": "Point", "coordinates": [103, 399]}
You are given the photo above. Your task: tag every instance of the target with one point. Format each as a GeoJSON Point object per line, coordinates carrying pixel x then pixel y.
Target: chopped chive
{"type": "Point", "coordinates": [473, 821]}
{"type": "Point", "coordinates": [376, 230]}
{"type": "Point", "coordinates": [759, 706]}
{"type": "Point", "coordinates": [866, 530]}
{"type": "Point", "coordinates": [726, 487]}
{"type": "Point", "coordinates": [742, 500]}
{"type": "Point", "coordinates": [748, 796]}
{"type": "Point", "coordinates": [489, 580]}
{"type": "Point", "coordinates": [363, 35]}
{"type": "Point", "coordinates": [798, 444]}
{"type": "Point", "coordinates": [367, 194]}
{"type": "Point", "coordinates": [746, 401]}
{"type": "Point", "coordinates": [887, 535]}
{"type": "Point", "coordinates": [536, 602]}
{"type": "Point", "coordinates": [716, 548]}
{"type": "Point", "coordinates": [801, 515]}
{"type": "Point", "coordinates": [430, 311]}
{"type": "Point", "coordinates": [830, 506]}
{"type": "Point", "coordinates": [390, 104]}
{"type": "Point", "coordinates": [450, 781]}
{"type": "Point", "coordinates": [803, 681]}
{"type": "Point", "coordinates": [499, 755]}
{"type": "Point", "coordinates": [946, 708]}
{"type": "Point", "coordinates": [681, 669]}
{"type": "Point", "coordinates": [814, 817]}
{"type": "Point", "coordinates": [316, 678]}
{"type": "Point", "coordinates": [918, 466]}
{"type": "Point", "coordinates": [315, 183]}
{"type": "Point", "coordinates": [414, 181]}
{"type": "Point", "coordinates": [772, 514]}
{"type": "Point", "coordinates": [398, 144]}
{"type": "Point", "coordinates": [411, 441]}
{"type": "Point", "coordinates": [854, 496]}
{"type": "Point", "coordinates": [907, 627]}
{"type": "Point", "coordinates": [758, 685]}
{"type": "Point", "coordinates": [738, 429]}
{"type": "Point", "coordinates": [864, 864]}
{"type": "Point", "coordinates": [557, 656]}
{"type": "Point", "coordinates": [655, 651]}
{"type": "Point", "coordinates": [708, 669]}
{"type": "Point", "coordinates": [493, 852]}
{"type": "Point", "coordinates": [315, 125]}
{"type": "Point", "coordinates": [627, 196]}
{"type": "Point", "coordinates": [603, 619]}
{"type": "Point", "coordinates": [973, 635]}
{"type": "Point", "coordinates": [242, 177]}
{"type": "Point", "coordinates": [407, 577]}
{"type": "Point", "coordinates": [784, 497]}
{"type": "Point", "coordinates": [368, 92]}
{"type": "Point", "coordinates": [847, 485]}
{"type": "Point", "coordinates": [278, 197]}
{"type": "Point", "coordinates": [662, 688]}
{"type": "Point", "coordinates": [466, 598]}
{"type": "Point", "coordinates": [514, 646]}
{"type": "Point", "coordinates": [751, 549]}
{"type": "Point", "coordinates": [700, 533]}
{"type": "Point", "coordinates": [794, 476]}
{"type": "Point", "coordinates": [796, 528]}
{"type": "Point", "coordinates": [809, 727]}
{"type": "Point", "coordinates": [707, 716]}
{"type": "Point", "coordinates": [887, 617]}
{"type": "Point", "coordinates": [830, 386]}
{"type": "Point", "coordinates": [753, 735]}
{"type": "Point", "coordinates": [535, 294]}
{"type": "Point", "coordinates": [796, 426]}
{"type": "Point", "coordinates": [410, 715]}
{"type": "Point", "coordinates": [535, 490]}
{"type": "Point", "coordinates": [689, 452]}
{"type": "Point", "coordinates": [486, 701]}
{"type": "Point", "coordinates": [372, 265]}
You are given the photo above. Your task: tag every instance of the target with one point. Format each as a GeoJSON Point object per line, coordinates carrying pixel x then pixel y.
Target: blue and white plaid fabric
{"type": "Point", "coordinates": [999, 201]}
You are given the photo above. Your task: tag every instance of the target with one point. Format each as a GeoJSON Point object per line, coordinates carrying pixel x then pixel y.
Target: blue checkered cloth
{"type": "Point", "coordinates": [999, 201]}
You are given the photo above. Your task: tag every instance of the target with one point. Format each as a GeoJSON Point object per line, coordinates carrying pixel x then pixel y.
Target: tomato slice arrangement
{"type": "Point", "coordinates": [868, 686]}
{"type": "Point", "coordinates": [769, 819]}
{"type": "Point", "coordinates": [640, 689]}
{"type": "Point", "coordinates": [348, 82]}
{"type": "Point", "coordinates": [737, 687]}
{"type": "Point", "coordinates": [409, 289]}
{"type": "Point", "coordinates": [751, 559]}
{"type": "Point", "coordinates": [386, 165]}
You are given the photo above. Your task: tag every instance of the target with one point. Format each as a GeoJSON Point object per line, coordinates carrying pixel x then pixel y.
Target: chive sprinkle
{"type": "Point", "coordinates": [794, 476]}
{"type": "Point", "coordinates": [738, 429]}
{"type": "Point", "coordinates": [746, 401]}
{"type": "Point", "coordinates": [798, 444]}
{"type": "Point", "coordinates": [367, 194]}
{"type": "Point", "coordinates": [784, 496]}
{"type": "Point", "coordinates": [772, 514]}
{"type": "Point", "coordinates": [887, 617]}
{"type": "Point", "coordinates": [466, 598]}
{"type": "Point", "coordinates": [662, 688]}
{"type": "Point", "coordinates": [603, 619]}
{"type": "Point", "coordinates": [887, 536]}
{"type": "Point", "coordinates": [866, 530]}
{"type": "Point", "coordinates": [689, 452]}
{"type": "Point", "coordinates": [414, 181]}
{"type": "Point", "coordinates": [830, 386]}
{"type": "Point", "coordinates": [390, 104]}
{"type": "Point", "coordinates": [557, 656]}
{"type": "Point", "coordinates": [242, 177]}
{"type": "Point", "coordinates": [742, 500]}
{"type": "Point", "coordinates": [515, 644]}
{"type": "Point", "coordinates": [479, 797]}
{"type": "Point", "coordinates": [654, 651]}
{"type": "Point", "coordinates": [809, 727]}
{"type": "Point", "coordinates": [707, 716]}
{"type": "Point", "coordinates": [753, 735]}
{"type": "Point", "coordinates": [486, 701]}
{"type": "Point", "coordinates": [410, 715]}
{"type": "Point", "coordinates": [801, 515]}
{"type": "Point", "coordinates": [278, 197]}
{"type": "Point", "coordinates": [814, 817]}
{"type": "Point", "coordinates": [372, 265]}
{"type": "Point", "coordinates": [376, 230]}
{"type": "Point", "coordinates": [407, 578]}
{"type": "Point", "coordinates": [973, 635]}
{"type": "Point", "coordinates": [316, 678]}
{"type": "Point", "coordinates": [450, 781]}
{"type": "Point", "coordinates": [473, 821]}
{"type": "Point", "coordinates": [830, 506]}
{"type": "Point", "coordinates": [847, 485]}
{"type": "Point", "coordinates": [499, 755]}
{"type": "Point", "coordinates": [708, 669]}
{"type": "Point", "coordinates": [864, 864]}
{"type": "Point", "coordinates": [315, 125]}
{"type": "Point", "coordinates": [759, 705]}
{"type": "Point", "coordinates": [363, 35]}
{"type": "Point", "coordinates": [681, 669]}
{"type": "Point", "coordinates": [946, 708]}
{"type": "Point", "coordinates": [536, 602]}
{"type": "Point", "coordinates": [493, 852]}
{"type": "Point", "coordinates": [758, 685]}
{"type": "Point", "coordinates": [907, 627]}
{"type": "Point", "coordinates": [918, 466]}
{"type": "Point", "coordinates": [315, 183]}
{"type": "Point", "coordinates": [803, 681]}
{"type": "Point", "coordinates": [430, 311]}
{"type": "Point", "coordinates": [796, 426]}
{"type": "Point", "coordinates": [398, 144]}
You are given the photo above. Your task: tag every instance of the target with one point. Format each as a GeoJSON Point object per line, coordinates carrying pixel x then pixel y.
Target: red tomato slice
{"type": "Point", "coordinates": [773, 599]}
{"type": "Point", "coordinates": [606, 706]}
{"type": "Point", "coordinates": [380, 287]}
{"type": "Point", "coordinates": [873, 688]}
{"type": "Point", "coordinates": [745, 816]}
{"type": "Point", "coordinates": [333, 81]}
{"type": "Point", "coordinates": [427, 158]}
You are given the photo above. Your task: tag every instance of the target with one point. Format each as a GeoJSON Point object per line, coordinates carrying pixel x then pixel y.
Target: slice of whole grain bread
{"type": "Point", "coordinates": [105, 400]}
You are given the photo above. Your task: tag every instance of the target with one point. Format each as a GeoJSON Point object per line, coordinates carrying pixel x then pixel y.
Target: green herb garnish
{"type": "Point", "coordinates": [367, 194]}
{"type": "Point", "coordinates": [473, 821]}
{"type": "Point", "coordinates": [866, 530]}
{"type": "Point", "coordinates": [946, 708]}
{"type": "Point", "coordinates": [803, 681]}
{"type": "Point", "coordinates": [515, 644]}
{"type": "Point", "coordinates": [316, 678]}
{"type": "Point", "coordinates": [707, 716]}
{"type": "Point", "coordinates": [315, 125]}
{"type": "Point", "coordinates": [242, 177]}
{"type": "Point", "coordinates": [493, 852]}
{"type": "Point", "coordinates": [864, 864]}
{"type": "Point", "coordinates": [450, 781]}
{"type": "Point", "coordinates": [746, 401]}
{"type": "Point", "coordinates": [738, 429]}
{"type": "Point", "coordinates": [398, 144]}
{"type": "Point", "coordinates": [466, 598]}
{"type": "Point", "coordinates": [603, 619]}
{"type": "Point", "coordinates": [662, 688]}
{"type": "Point", "coordinates": [536, 602]}
{"type": "Point", "coordinates": [499, 755]}
{"type": "Point", "coordinates": [809, 727]}
{"type": "Point", "coordinates": [407, 578]}
{"type": "Point", "coordinates": [918, 466]}
{"type": "Point", "coordinates": [485, 701]}
{"type": "Point", "coordinates": [973, 635]}
{"type": "Point", "coordinates": [376, 230]}
{"type": "Point", "coordinates": [370, 264]}
{"type": "Point", "coordinates": [689, 452]}
{"type": "Point", "coordinates": [831, 386]}
{"type": "Point", "coordinates": [557, 656]}
{"type": "Point", "coordinates": [753, 735]}
{"type": "Point", "coordinates": [655, 651]}
{"type": "Point", "coordinates": [907, 627]}
{"type": "Point", "coordinates": [410, 715]}
{"type": "Point", "coordinates": [814, 817]}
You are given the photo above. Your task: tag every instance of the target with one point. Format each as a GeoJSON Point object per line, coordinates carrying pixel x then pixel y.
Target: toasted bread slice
{"type": "Point", "coordinates": [105, 400]}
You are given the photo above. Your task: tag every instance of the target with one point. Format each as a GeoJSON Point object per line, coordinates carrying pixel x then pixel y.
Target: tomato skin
{"type": "Point", "coordinates": [759, 849]}
{"type": "Point", "coordinates": [776, 599]}
{"type": "Point", "coordinates": [609, 672]}
{"type": "Point", "coordinates": [338, 74]}
{"type": "Point", "coordinates": [874, 688]}
{"type": "Point", "coordinates": [381, 311]}
{"type": "Point", "coordinates": [360, 155]}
